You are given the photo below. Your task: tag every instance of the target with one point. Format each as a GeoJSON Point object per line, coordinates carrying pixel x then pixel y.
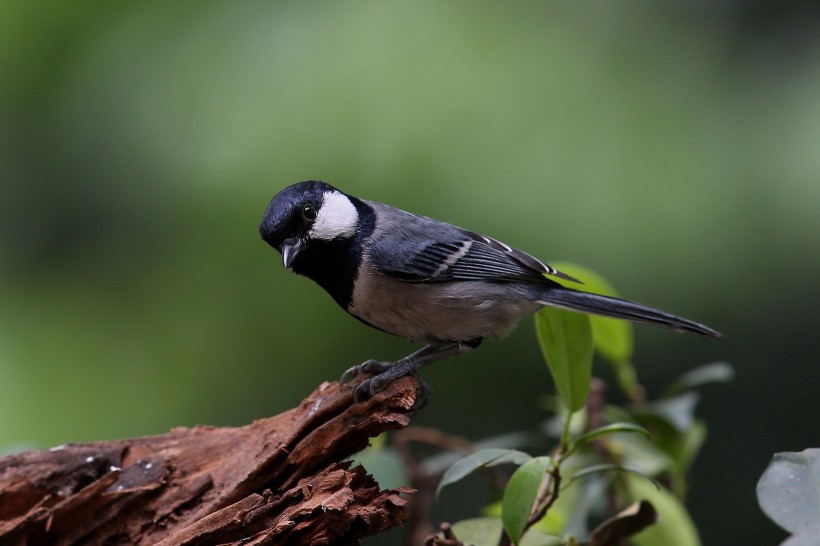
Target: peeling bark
{"type": "Point", "coordinates": [280, 480]}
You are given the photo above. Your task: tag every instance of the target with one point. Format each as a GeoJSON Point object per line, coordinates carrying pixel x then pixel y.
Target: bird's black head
{"type": "Point", "coordinates": [307, 214]}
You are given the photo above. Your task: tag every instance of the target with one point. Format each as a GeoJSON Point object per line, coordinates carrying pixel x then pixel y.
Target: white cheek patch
{"type": "Point", "coordinates": [337, 218]}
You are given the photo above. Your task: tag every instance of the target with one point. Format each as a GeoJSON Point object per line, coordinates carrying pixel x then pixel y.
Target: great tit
{"type": "Point", "coordinates": [424, 280]}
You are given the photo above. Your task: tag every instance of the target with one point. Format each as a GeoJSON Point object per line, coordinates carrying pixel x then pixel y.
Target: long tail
{"type": "Point", "coordinates": [574, 300]}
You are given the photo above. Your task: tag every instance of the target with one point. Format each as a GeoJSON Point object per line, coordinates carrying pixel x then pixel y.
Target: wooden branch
{"type": "Point", "coordinates": [279, 480]}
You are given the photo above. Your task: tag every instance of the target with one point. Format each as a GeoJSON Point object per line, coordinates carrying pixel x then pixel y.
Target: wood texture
{"type": "Point", "coordinates": [280, 480]}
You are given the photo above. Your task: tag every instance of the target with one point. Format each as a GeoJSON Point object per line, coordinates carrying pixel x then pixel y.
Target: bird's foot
{"type": "Point", "coordinates": [368, 367]}
{"type": "Point", "coordinates": [384, 373]}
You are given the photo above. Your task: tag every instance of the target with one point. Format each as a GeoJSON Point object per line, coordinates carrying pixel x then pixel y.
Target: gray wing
{"type": "Point", "coordinates": [495, 254]}
{"type": "Point", "coordinates": [421, 249]}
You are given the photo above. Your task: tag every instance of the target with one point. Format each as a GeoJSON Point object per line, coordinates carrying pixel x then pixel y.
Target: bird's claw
{"type": "Point", "coordinates": [374, 385]}
{"type": "Point", "coordinates": [368, 367]}
{"type": "Point", "coordinates": [366, 389]}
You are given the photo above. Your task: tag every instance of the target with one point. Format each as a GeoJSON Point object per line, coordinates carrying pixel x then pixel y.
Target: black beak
{"type": "Point", "coordinates": [290, 249]}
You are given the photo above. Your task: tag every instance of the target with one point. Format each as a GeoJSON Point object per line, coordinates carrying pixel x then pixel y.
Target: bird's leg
{"type": "Point", "coordinates": [375, 367]}
{"type": "Point", "coordinates": [387, 372]}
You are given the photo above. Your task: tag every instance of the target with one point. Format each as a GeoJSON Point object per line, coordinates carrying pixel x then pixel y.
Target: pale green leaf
{"type": "Point", "coordinates": [608, 467]}
{"type": "Point", "coordinates": [480, 459]}
{"type": "Point", "coordinates": [520, 494]}
{"type": "Point", "coordinates": [566, 342]}
{"type": "Point", "coordinates": [609, 429]}
{"type": "Point", "coordinates": [674, 527]}
{"type": "Point", "coordinates": [614, 338]}
{"type": "Point", "coordinates": [486, 531]}
{"type": "Point", "coordinates": [716, 372]}
{"type": "Point", "coordinates": [635, 451]}
{"type": "Point", "coordinates": [678, 411]}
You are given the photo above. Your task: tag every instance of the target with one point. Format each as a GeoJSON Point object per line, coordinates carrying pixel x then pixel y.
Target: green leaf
{"type": "Point", "coordinates": [674, 527]}
{"type": "Point", "coordinates": [690, 445]}
{"type": "Point", "coordinates": [608, 429]}
{"type": "Point", "coordinates": [480, 459]}
{"type": "Point", "coordinates": [478, 531]}
{"type": "Point", "coordinates": [384, 464]}
{"type": "Point", "coordinates": [590, 497]}
{"type": "Point", "coordinates": [789, 490]}
{"type": "Point", "coordinates": [614, 338]}
{"type": "Point", "coordinates": [438, 463]}
{"type": "Point", "coordinates": [676, 432]}
{"type": "Point", "coordinates": [520, 494]}
{"type": "Point", "coordinates": [716, 372]}
{"type": "Point", "coordinates": [558, 516]}
{"type": "Point", "coordinates": [566, 342]}
{"type": "Point", "coordinates": [678, 412]}
{"type": "Point", "coordinates": [556, 520]}
{"type": "Point", "coordinates": [638, 452]}
{"type": "Point", "coordinates": [608, 467]}
{"type": "Point", "coordinates": [682, 447]}
{"type": "Point", "coordinates": [485, 532]}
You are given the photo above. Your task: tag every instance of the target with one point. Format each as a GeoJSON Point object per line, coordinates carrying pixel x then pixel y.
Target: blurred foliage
{"type": "Point", "coordinates": [672, 146]}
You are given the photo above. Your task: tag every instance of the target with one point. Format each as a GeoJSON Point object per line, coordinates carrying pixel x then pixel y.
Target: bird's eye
{"type": "Point", "coordinates": [309, 212]}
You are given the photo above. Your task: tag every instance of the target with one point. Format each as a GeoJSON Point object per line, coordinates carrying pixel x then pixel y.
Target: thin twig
{"type": "Point", "coordinates": [448, 537]}
{"type": "Point", "coordinates": [550, 494]}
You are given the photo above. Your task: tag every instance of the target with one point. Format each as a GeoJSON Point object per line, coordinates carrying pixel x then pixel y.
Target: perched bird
{"type": "Point", "coordinates": [424, 280]}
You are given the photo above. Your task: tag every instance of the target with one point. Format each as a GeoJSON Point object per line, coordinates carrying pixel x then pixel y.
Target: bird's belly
{"type": "Point", "coordinates": [459, 311]}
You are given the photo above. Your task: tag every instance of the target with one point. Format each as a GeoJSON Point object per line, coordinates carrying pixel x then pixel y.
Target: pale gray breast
{"type": "Point", "coordinates": [450, 311]}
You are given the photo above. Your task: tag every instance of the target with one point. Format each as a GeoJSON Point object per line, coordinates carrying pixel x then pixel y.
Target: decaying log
{"type": "Point", "coordinates": [280, 480]}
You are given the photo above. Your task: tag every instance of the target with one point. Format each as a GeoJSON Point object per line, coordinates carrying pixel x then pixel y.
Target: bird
{"type": "Point", "coordinates": [422, 279]}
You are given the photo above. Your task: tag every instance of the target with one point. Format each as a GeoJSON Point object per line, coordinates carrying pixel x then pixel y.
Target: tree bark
{"type": "Point", "coordinates": [279, 480]}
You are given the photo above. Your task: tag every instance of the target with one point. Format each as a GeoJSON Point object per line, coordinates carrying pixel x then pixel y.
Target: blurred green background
{"type": "Point", "coordinates": [672, 146]}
